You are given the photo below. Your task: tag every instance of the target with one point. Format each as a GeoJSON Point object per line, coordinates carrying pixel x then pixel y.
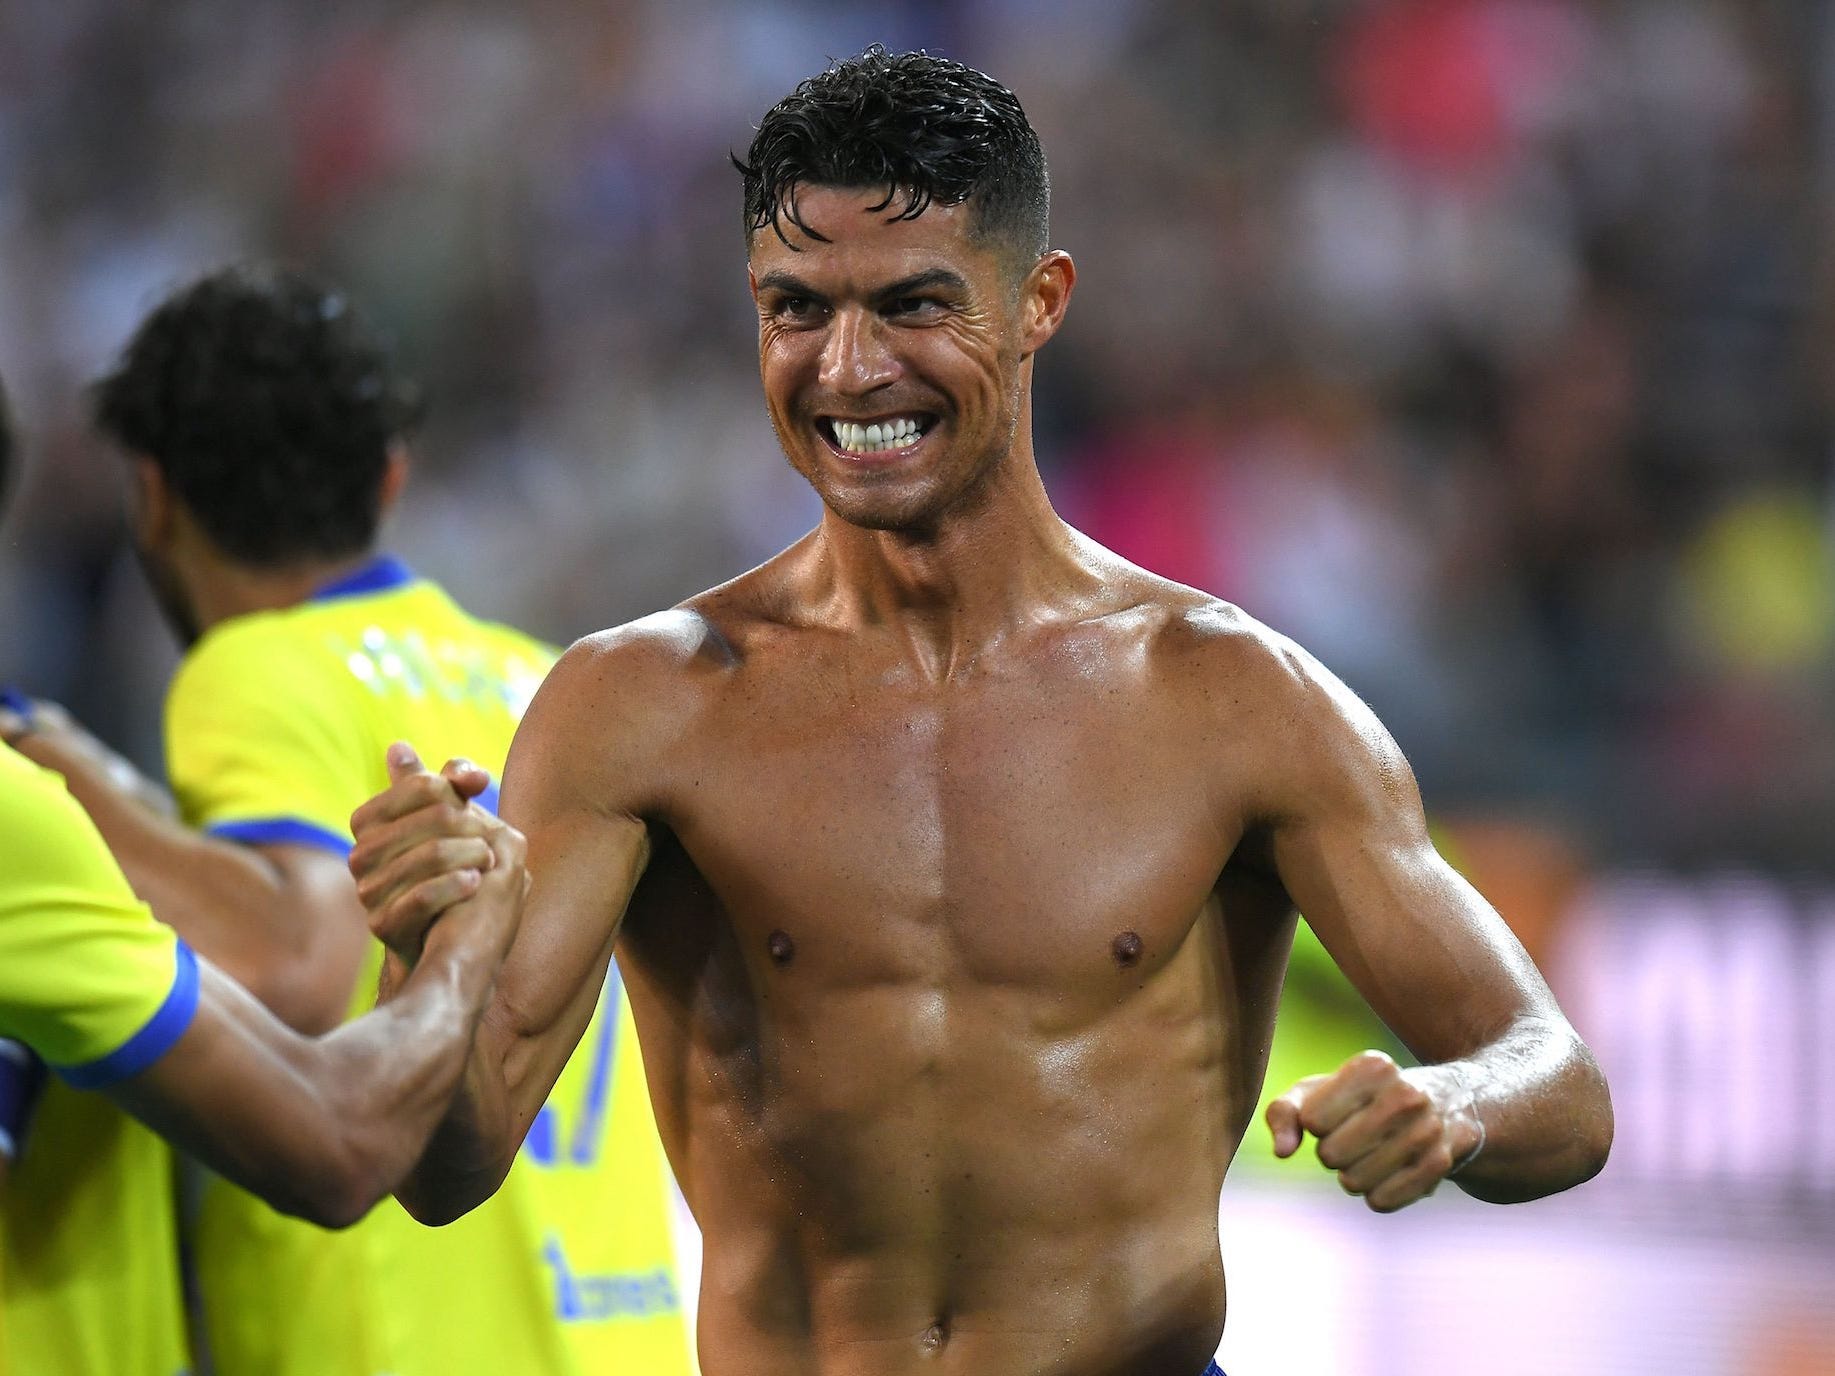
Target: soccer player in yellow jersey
{"type": "Point", "coordinates": [117, 1002]}
{"type": "Point", "coordinates": [264, 431]}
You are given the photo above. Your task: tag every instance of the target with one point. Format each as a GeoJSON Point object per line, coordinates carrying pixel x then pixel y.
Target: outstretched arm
{"type": "Point", "coordinates": [569, 787]}
{"type": "Point", "coordinates": [1508, 1096]}
{"type": "Point", "coordinates": [92, 982]}
{"type": "Point", "coordinates": [325, 1127]}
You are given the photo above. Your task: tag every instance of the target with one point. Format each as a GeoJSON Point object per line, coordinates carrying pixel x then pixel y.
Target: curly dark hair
{"type": "Point", "coordinates": [924, 128]}
{"type": "Point", "coordinates": [270, 406]}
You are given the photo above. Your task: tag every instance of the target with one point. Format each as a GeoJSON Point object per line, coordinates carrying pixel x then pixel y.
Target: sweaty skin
{"type": "Point", "coordinates": [960, 858]}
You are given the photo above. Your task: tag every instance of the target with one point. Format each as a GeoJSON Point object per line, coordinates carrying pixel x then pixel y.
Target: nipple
{"type": "Point", "coordinates": [1126, 948]}
{"type": "Point", "coordinates": [780, 947]}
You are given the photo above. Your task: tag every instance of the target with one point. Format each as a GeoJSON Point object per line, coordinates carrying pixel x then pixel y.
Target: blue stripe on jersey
{"type": "Point", "coordinates": [153, 1040]}
{"type": "Point", "coordinates": [381, 574]}
{"type": "Point", "coordinates": [281, 831]}
{"type": "Point", "coordinates": [488, 799]}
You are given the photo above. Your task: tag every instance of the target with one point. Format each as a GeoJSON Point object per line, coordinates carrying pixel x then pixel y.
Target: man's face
{"type": "Point", "coordinates": [891, 355]}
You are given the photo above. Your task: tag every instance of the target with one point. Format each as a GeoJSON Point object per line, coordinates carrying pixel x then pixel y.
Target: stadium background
{"type": "Point", "coordinates": [1482, 345]}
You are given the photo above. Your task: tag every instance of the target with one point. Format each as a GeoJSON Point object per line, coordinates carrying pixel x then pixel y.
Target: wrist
{"type": "Point", "coordinates": [1464, 1128]}
{"type": "Point", "coordinates": [455, 943]}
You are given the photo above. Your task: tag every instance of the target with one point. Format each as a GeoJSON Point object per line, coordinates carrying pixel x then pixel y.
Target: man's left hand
{"type": "Point", "coordinates": [1392, 1135]}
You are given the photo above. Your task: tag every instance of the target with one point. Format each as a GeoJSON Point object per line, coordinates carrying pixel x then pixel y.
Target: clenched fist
{"type": "Point", "coordinates": [1391, 1134]}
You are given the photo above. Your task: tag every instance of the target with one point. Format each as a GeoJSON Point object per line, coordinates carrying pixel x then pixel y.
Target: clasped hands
{"type": "Point", "coordinates": [423, 849]}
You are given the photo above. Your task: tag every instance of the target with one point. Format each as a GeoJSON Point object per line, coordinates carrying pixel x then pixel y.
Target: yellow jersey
{"type": "Point", "coordinates": [276, 728]}
{"type": "Point", "coordinates": [88, 1255]}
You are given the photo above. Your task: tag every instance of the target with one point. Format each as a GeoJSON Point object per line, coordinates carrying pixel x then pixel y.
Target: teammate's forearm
{"type": "Point", "coordinates": [322, 1128]}
{"type": "Point", "coordinates": [226, 900]}
{"type": "Point", "coordinates": [1544, 1106]}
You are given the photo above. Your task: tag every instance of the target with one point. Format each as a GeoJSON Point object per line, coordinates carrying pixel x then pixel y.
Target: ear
{"type": "Point", "coordinates": [394, 479]}
{"type": "Point", "coordinates": [152, 509]}
{"type": "Point", "coordinates": [1044, 298]}
{"type": "Point", "coordinates": [751, 281]}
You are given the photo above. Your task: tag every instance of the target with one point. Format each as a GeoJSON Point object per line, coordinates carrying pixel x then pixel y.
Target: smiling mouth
{"type": "Point", "coordinates": [883, 436]}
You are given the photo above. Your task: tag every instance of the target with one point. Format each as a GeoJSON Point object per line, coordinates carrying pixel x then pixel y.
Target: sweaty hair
{"type": "Point", "coordinates": [921, 127]}
{"type": "Point", "coordinates": [269, 405]}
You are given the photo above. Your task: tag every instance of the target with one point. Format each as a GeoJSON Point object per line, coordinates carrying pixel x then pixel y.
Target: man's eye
{"type": "Point", "coordinates": [796, 307]}
{"type": "Point", "coordinates": [914, 305]}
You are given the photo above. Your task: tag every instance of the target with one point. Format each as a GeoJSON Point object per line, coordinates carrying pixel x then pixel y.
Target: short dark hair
{"type": "Point", "coordinates": [270, 405]}
{"type": "Point", "coordinates": [924, 128]}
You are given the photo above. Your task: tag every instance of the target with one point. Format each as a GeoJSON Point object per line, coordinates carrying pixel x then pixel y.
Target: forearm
{"type": "Point", "coordinates": [402, 1064]}
{"type": "Point", "coordinates": [321, 1128]}
{"type": "Point", "coordinates": [1544, 1107]}
{"type": "Point", "coordinates": [466, 1158]}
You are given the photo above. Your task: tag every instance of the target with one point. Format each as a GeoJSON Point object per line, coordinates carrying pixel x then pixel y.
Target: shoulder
{"type": "Point", "coordinates": [619, 700]}
{"type": "Point", "coordinates": [1306, 740]}
{"type": "Point", "coordinates": [647, 662]}
{"type": "Point", "coordinates": [1263, 670]}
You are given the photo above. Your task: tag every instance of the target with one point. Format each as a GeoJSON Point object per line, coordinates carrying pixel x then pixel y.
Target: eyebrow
{"type": "Point", "coordinates": [923, 281]}
{"type": "Point", "coordinates": [792, 285]}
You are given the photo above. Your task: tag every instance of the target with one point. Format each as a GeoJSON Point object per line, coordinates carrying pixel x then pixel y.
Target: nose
{"type": "Point", "coordinates": [857, 356]}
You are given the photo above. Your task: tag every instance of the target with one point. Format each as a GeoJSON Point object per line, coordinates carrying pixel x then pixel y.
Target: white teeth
{"type": "Point", "coordinates": [876, 438]}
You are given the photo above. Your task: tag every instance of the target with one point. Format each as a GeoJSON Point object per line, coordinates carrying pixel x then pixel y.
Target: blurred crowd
{"type": "Point", "coordinates": [1478, 344]}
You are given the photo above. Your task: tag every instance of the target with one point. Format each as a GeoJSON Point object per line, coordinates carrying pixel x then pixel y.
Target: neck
{"type": "Point", "coordinates": [222, 588]}
{"type": "Point", "coordinates": [1001, 563]}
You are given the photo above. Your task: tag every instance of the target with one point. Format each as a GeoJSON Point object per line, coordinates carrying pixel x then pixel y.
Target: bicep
{"type": "Point", "coordinates": [1350, 842]}
{"type": "Point", "coordinates": [585, 857]}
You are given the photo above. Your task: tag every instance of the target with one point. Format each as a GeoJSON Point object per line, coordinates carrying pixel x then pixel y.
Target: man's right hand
{"type": "Point", "coordinates": [422, 847]}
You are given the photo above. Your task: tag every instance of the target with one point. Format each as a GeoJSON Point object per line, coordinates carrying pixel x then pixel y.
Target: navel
{"type": "Point", "coordinates": [1126, 948]}
{"type": "Point", "coordinates": [780, 947]}
{"type": "Point", "coordinates": [932, 1338]}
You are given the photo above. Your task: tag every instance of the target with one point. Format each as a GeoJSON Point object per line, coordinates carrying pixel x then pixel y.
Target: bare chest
{"type": "Point", "coordinates": [1012, 829]}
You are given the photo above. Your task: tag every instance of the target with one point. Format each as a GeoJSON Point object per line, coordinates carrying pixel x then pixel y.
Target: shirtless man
{"type": "Point", "coordinates": [952, 859]}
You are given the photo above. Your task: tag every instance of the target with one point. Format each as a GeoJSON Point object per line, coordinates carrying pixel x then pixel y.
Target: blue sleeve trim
{"type": "Point", "coordinates": [488, 799]}
{"type": "Point", "coordinates": [22, 1079]}
{"type": "Point", "coordinates": [19, 705]}
{"type": "Point", "coordinates": [153, 1040]}
{"type": "Point", "coordinates": [281, 831]}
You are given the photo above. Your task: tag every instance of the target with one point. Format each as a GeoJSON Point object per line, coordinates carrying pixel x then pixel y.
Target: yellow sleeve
{"type": "Point", "coordinates": [259, 746]}
{"type": "Point", "coordinates": [88, 978]}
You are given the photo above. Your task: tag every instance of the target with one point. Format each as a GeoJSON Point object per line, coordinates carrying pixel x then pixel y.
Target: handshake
{"type": "Point", "coordinates": [433, 865]}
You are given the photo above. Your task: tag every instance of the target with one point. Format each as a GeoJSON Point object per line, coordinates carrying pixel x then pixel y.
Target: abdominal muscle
{"type": "Point", "coordinates": [971, 1180]}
